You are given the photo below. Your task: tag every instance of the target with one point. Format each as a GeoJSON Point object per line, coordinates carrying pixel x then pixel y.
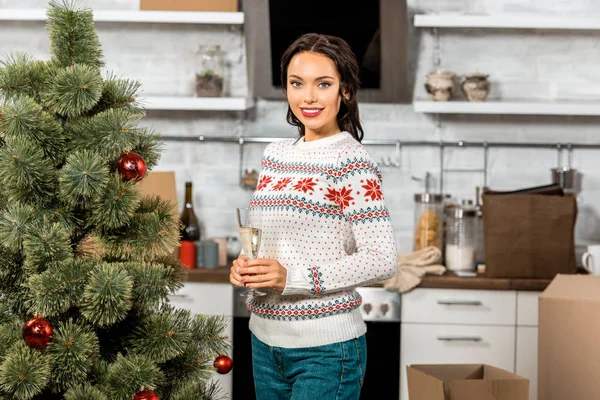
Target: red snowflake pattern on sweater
{"type": "Point", "coordinates": [264, 182]}
{"type": "Point", "coordinates": [282, 183]}
{"type": "Point", "coordinates": [305, 185]}
{"type": "Point", "coordinates": [341, 197]}
{"type": "Point", "coordinates": [373, 189]}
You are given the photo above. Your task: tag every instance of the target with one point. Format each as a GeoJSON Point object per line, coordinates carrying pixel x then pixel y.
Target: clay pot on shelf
{"type": "Point", "coordinates": [440, 85]}
{"type": "Point", "coordinates": [475, 86]}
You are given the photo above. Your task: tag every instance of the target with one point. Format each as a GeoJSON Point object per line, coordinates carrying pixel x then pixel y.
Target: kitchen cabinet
{"type": "Point", "coordinates": [527, 339]}
{"type": "Point", "coordinates": [209, 299]}
{"type": "Point", "coordinates": [445, 326]}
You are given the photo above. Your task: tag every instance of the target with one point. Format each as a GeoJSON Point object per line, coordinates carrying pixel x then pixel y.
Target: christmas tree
{"type": "Point", "coordinates": [85, 260]}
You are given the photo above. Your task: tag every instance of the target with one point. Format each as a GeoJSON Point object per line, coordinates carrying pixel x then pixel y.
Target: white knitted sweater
{"type": "Point", "coordinates": [324, 219]}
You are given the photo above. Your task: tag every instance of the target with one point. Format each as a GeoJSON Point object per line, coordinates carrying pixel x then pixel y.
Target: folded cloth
{"type": "Point", "coordinates": [413, 266]}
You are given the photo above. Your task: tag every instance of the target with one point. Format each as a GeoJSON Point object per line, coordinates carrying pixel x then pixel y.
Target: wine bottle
{"type": "Point", "coordinates": [190, 230]}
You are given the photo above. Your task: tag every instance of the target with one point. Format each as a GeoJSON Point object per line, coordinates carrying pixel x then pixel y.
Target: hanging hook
{"type": "Point", "coordinates": [398, 161]}
{"type": "Point", "coordinates": [241, 142]}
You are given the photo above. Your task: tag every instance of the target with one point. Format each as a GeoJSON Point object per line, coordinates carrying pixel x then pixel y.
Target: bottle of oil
{"type": "Point", "coordinates": [190, 230]}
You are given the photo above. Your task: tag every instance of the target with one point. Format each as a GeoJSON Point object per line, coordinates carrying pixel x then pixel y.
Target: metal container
{"type": "Point", "coordinates": [461, 238]}
{"type": "Point", "coordinates": [564, 176]}
{"type": "Point", "coordinates": [429, 209]}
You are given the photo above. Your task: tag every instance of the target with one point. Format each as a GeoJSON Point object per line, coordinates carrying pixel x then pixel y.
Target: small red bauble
{"type": "Point", "coordinates": [131, 166]}
{"type": "Point", "coordinates": [223, 364]}
{"type": "Point", "coordinates": [37, 332]}
{"type": "Point", "coordinates": [146, 395]}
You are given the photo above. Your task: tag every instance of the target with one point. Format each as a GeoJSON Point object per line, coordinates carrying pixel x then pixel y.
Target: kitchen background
{"type": "Point", "coordinates": [523, 64]}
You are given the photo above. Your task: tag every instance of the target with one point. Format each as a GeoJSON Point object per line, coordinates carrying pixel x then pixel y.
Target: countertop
{"type": "Point", "coordinates": [447, 281]}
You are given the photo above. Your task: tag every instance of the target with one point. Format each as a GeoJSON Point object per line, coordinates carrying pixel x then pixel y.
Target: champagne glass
{"type": "Point", "coordinates": [250, 226]}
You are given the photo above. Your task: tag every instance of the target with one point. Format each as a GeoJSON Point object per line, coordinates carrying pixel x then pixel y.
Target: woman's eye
{"type": "Point", "coordinates": [295, 84]}
{"type": "Point", "coordinates": [324, 84]}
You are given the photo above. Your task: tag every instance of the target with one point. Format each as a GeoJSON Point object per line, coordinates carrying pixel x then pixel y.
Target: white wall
{"type": "Point", "coordinates": [545, 65]}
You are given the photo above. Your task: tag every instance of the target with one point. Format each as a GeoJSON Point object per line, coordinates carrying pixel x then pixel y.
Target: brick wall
{"type": "Point", "coordinates": [522, 63]}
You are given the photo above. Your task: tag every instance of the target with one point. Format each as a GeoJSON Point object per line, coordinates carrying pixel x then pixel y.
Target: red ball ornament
{"type": "Point", "coordinates": [223, 364]}
{"type": "Point", "coordinates": [37, 332]}
{"type": "Point", "coordinates": [131, 166]}
{"type": "Point", "coordinates": [146, 395]}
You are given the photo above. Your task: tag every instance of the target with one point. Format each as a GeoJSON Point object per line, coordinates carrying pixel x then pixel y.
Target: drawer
{"type": "Point", "coordinates": [454, 306]}
{"type": "Point", "coordinates": [527, 308]}
{"type": "Point", "coordinates": [205, 298]}
{"type": "Point", "coordinates": [455, 344]}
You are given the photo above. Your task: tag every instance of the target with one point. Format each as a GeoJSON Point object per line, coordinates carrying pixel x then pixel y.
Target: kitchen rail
{"type": "Point", "coordinates": [442, 145]}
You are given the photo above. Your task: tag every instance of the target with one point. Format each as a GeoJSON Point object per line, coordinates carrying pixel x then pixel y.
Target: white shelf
{"type": "Point", "coordinates": [171, 17]}
{"type": "Point", "coordinates": [508, 107]}
{"type": "Point", "coordinates": [197, 103]}
{"type": "Point", "coordinates": [513, 21]}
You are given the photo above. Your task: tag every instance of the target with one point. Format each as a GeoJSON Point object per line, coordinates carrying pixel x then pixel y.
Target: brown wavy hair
{"type": "Point", "coordinates": [345, 61]}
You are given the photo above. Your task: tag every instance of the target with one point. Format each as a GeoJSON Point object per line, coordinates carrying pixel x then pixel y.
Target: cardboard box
{"type": "Point", "coordinates": [190, 5]}
{"type": "Point", "coordinates": [568, 339]}
{"type": "Point", "coordinates": [529, 235]}
{"type": "Point", "coordinates": [161, 184]}
{"type": "Point", "coordinates": [464, 382]}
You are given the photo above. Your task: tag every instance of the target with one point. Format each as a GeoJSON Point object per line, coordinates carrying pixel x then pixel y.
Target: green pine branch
{"type": "Point", "coordinates": [119, 93]}
{"type": "Point", "coordinates": [74, 90]}
{"type": "Point", "coordinates": [26, 174]}
{"type": "Point", "coordinates": [21, 75]}
{"type": "Point", "coordinates": [59, 288]}
{"type": "Point", "coordinates": [24, 123]}
{"type": "Point", "coordinates": [12, 279]}
{"type": "Point", "coordinates": [110, 133]}
{"type": "Point", "coordinates": [10, 336]}
{"type": "Point", "coordinates": [24, 373]}
{"type": "Point", "coordinates": [73, 38]}
{"type": "Point", "coordinates": [117, 206]}
{"type": "Point", "coordinates": [150, 146]}
{"type": "Point", "coordinates": [153, 231]}
{"type": "Point", "coordinates": [85, 392]}
{"type": "Point", "coordinates": [199, 390]}
{"type": "Point", "coordinates": [83, 178]}
{"type": "Point", "coordinates": [45, 244]}
{"type": "Point", "coordinates": [107, 295]}
{"type": "Point", "coordinates": [15, 222]}
{"type": "Point", "coordinates": [209, 333]}
{"type": "Point", "coordinates": [153, 281]}
{"type": "Point", "coordinates": [162, 337]}
{"type": "Point", "coordinates": [191, 366]}
{"type": "Point", "coordinates": [131, 374]}
{"type": "Point", "coordinates": [73, 349]}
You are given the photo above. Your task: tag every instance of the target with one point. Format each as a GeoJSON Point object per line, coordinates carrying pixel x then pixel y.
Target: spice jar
{"type": "Point", "coordinates": [461, 237]}
{"type": "Point", "coordinates": [428, 220]}
{"type": "Point", "coordinates": [210, 70]}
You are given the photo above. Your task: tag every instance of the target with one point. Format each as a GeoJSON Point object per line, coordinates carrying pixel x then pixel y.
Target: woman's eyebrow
{"type": "Point", "coordinates": [316, 79]}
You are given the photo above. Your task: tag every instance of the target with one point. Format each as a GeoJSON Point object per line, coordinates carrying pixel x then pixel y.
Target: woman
{"type": "Point", "coordinates": [326, 230]}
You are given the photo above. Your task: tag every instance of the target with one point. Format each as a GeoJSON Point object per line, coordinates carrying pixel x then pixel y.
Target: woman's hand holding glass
{"type": "Point", "coordinates": [259, 273]}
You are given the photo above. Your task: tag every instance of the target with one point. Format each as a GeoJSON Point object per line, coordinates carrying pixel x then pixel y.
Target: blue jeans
{"type": "Point", "coordinates": [331, 372]}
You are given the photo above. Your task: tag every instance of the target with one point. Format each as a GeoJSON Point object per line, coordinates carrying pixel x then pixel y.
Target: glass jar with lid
{"type": "Point", "coordinates": [429, 208]}
{"type": "Point", "coordinates": [210, 71]}
{"type": "Point", "coordinates": [461, 237]}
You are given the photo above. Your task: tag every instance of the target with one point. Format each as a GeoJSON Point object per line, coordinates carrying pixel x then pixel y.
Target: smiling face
{"type": "Point", "coordinates": [313, 93]}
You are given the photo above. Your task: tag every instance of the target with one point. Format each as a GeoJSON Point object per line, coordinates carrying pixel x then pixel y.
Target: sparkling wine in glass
{"type": "Point", "coordinates": [250, 227]}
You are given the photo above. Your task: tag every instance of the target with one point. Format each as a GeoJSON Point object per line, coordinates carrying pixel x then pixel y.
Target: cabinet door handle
{"type": "Point", "coordinates": [179, 296]}
{"type": "Point", "coordinates": [460, 338]}
{"type": "Point", "coordinates": [460, 302]}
